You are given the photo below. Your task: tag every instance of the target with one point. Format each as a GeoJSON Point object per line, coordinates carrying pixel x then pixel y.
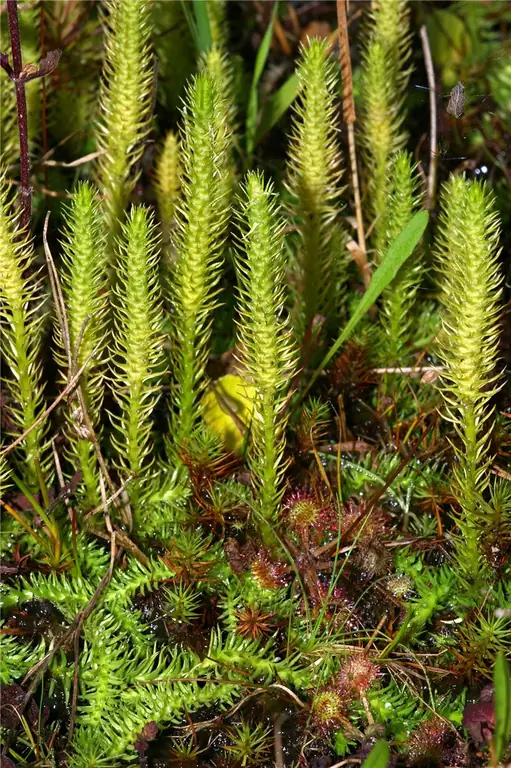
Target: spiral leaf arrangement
{"type": "Point", "coordinates": [314, 172]}
{"type": "Point", "coordinates": [199, 239]}
{"type": "Point", "coordinates": [167, 185]}
{"type": "Point", "coordinates": [84, 286]}
{"type": "Point", "coordinates": [472, 285]}
{"type": "Point", "coordinates": [232, 576]}
{"type": "Point", "coordinates": [383, 84]}
{"type": "Point", "coordinates": [398, 300]}
{"type": "Point", "coordinates": [138, 361]}
{"type": "Point", "coordinates": [22, 314]}
{"type": "Point", "coordinates": [264, 334]}
{"type": "Point", "coordinates": [125, 107]}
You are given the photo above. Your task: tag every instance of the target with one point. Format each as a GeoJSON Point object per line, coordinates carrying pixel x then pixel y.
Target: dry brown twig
{"type": "Point", "coordinates": [348, 106]}
{"type": "Point", "coordinates": [433, 154]}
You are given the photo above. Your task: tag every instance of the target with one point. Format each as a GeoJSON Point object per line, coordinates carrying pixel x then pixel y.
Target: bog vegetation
{"type": "Point", "coordinates": [256, 501]}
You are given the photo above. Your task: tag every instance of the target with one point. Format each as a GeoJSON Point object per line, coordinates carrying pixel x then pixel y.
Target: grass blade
{"type": "Point", "coordinates": [203, 28]}
{"type": "Point", "coordinates": [402, 247]}
{"type": "Point", "coordinates": [253, 101]}
{"type": "Point", "coordinates": [276, 106]}
{"type": "Point", "coordinates": [197, 19]}
{"type": "Point", "coordinates": [502, 694]}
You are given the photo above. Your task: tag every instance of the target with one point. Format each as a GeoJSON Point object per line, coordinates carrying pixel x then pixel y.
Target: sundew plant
{"type": "Point", "coordinates": [255, 400]}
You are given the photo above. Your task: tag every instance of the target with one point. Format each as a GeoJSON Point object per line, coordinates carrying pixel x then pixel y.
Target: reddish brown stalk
{"type": "Point", "coordinates": [348, 107]}
{"type": "Point", "coordinates": [21, 103]}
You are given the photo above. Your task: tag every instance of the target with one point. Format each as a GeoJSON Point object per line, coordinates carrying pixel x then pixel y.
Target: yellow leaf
{"type": "Point", "coordinates": [227, 410]}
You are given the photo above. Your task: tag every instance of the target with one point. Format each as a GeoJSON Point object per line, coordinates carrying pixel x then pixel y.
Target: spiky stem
{"type": "Point", "coordinates": [265, 337]}
{"type": "Point", "coordinates": [399, 297]}
{"type": "Point", "coordinates": [199, 240]}
{"type": "Point", "coordinates": [384, 80]}
{"type": "Point", "coordinates": [21, 333]}
{"type": "Point", "coordinates": [85, 290]}
{"type": "Point", "coordinates": [167, 183]}
{"type": "Point", "coordinates": [314, 172]}
{"type": "Point", "coordinates": [125, 107]}
{"type": "Point", "coordinates": [138, 362]}
{"type": "Point", "coordinates": [472, 284]}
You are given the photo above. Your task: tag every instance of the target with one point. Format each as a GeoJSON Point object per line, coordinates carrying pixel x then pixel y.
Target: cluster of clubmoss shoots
{"type": "Point", "coordinates": [250, 745]}
{"type": "Point", "coordinates": [331, 703]}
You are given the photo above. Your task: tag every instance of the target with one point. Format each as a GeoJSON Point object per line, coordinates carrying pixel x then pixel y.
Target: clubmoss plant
{"type": "Point", "coordinates": [306, 569]}
{"type": "Point", "coordinates": [84, 284]}
{"type": "Point", "coordinates": [248, 744]}
{"type": "Point", "coordinates": [399, 298]}
{"type": "Point", "coordinates": [138, 360]}
{"type": "Point", "coordinates": [472, 285]}
{"type": "Point", "coordinates": [314, 172]}
{"type": "Point", "coordinates": [22, 316]}
{"type": "Point", "coordinates": [383, 83]}
{"type": "Point", "coordinates": [125, 107]}
{"type": "Point", "coordinates": [268, 352]}
{"type": "Point", "coordinates": [217, 64]}
{"type": "Point", "coordinates": [199, 241]}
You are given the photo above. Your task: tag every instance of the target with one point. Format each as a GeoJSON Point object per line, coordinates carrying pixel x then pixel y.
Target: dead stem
{"type": "Point", "coordinates": [277, 737]}
{"type": "Point", "coordinates": [348, 106]}
{"type": "Point", "coordinates": [433, 154]}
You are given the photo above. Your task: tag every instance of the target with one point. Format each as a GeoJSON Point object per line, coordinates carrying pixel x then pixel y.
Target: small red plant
{"type": "Point", "coordinates": [435, 743]}
{"type": "Point", "coordinates": [358, 675]}
{"type": "Point", "coordinates": [269, 574]}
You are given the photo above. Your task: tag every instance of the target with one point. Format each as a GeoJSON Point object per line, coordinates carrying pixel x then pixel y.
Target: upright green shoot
{"type": "Point", "coordinates": [138, 349]}
{"type": "Point", "coordinates": [383, 84]}
{"type": "Point", "coordinates": [199, 242]}
{"type": "Point", "coordinates": [22, 317]}
{"type": "Point", "coordinates": [125, 107]}
{"type": "Point", "coordinates": [167, 184]}
{"type": "Point", "coordinates": [265, 337]}
{"type": "Point", "coordinates": [84, 286]}
{"type": "Point", "coordinates": [472, 285]}
{"type": "Point", "coordinates": [218, 27]}
{"type": "Point", "coordinates": [314, 171]}
{"type": "Point", "coordinates": [399, 298]}
{"type": "Point", "coordinates": [217, 64]}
